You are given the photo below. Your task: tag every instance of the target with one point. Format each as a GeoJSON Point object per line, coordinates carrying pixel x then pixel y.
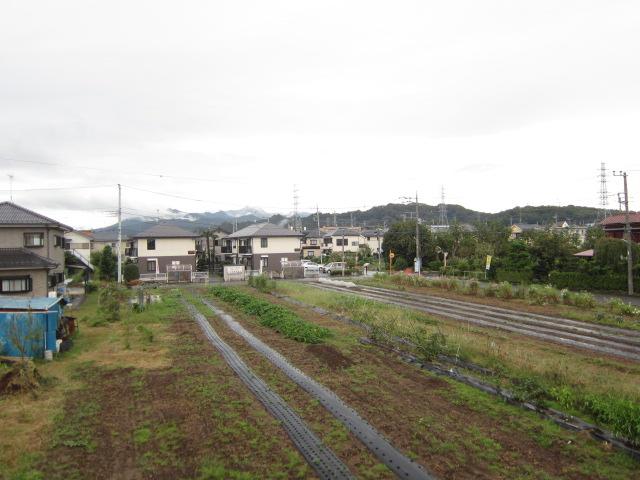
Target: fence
{"type": "Point", "coordinates": [154, 277]}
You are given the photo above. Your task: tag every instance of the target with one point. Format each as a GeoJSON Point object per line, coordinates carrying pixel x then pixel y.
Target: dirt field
{"type": "Point", "coordinates": [453, 430]}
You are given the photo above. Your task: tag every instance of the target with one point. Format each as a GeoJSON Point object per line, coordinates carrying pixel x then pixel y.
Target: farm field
{"type": "Point", "coordinates": [149, 396]}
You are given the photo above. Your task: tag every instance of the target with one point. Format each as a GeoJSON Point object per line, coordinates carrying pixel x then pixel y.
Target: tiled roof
{"type": "Point", "coordinates": [163, 230]}
{"type": "Point", "coordinates": [23, 258]}
{"type": "Point", "coordinates": [620, 218]}
{"type": "Point", "coordinates": [12, 214]}
{"type": "Point", "coordinates": [264, 230]}
{"type": "Point", "coordinates": [347, 232]}
{"type": "Point", "coordinates": [107, 236]}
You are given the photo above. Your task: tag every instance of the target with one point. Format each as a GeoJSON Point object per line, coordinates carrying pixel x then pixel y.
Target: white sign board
{"type": "Point", "coordinates": [234, 273]}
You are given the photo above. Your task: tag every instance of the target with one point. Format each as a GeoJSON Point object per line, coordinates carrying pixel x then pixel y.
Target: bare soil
{"type": "Point", "coordinates": [330, 355]}
{"type": "Point", "coordinates": [170, 422]}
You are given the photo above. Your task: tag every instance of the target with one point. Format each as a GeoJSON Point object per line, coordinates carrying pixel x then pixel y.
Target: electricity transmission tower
{"type": "Point", "coordinates": [443, 210]}
{"type": "Point", "coordinates": [295, 208]}
{"type": "Point", "coordinates": [604, 197]}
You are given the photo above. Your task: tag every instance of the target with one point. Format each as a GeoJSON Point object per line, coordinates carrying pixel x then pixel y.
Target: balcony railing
{"type": "Point", "coordinates": [226, 249]}
{"type": "Point", "coordinates": [245, 249]}
{"type": "Point", "coordinates": [131, 252]}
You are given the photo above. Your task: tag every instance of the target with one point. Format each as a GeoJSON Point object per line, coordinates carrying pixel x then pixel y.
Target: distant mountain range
{"type": "Point", "coordinates": [379, 216]}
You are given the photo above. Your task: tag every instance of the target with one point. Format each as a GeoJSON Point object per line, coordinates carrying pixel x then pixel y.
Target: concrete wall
{"type": "Point", "coordinates": [277, 245]}
{"type": "Point", "coordinates": [99, 246]}
{"type": "Point", "coordinates": [38, 279]}
{"type": "Point", "coordinates": [13, 237]}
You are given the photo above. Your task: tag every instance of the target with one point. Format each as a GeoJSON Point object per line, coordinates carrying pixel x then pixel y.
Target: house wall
{"type": "Point", "coordinates": [167, 247]}
{"type": "Point", "coordinates": [13, 237]}
{"type": "Point", "coordinates": [284, 245]}
{"type": "Point", "coordinates": [79, 243]}
{"type": "Point", "coordinates": [98, 246]}
{"type": "Point", "coordinates": [372, 243]}
{"type": "Point", "coordinates": [349, 247]}
{"type": "Point", "coordinates": [39, 287]}
{"type": "Point", "coordinates": [273, 261]}
{"type": "Point", "coordinates": [163, 261]}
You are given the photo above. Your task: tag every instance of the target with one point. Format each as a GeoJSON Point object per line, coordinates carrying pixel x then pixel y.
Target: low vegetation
{"type": "Point", "coordinates": [577, 305]}
{"type": "Point", "coordinates": [273, 316]}
{"type": "Point", "coordinates": [606, 391]}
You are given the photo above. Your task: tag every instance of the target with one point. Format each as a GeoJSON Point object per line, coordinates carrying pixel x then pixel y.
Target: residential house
{"type": "Point", "coordinates": [215, 244]}
{"type": "Point", "coordinates": [342, 239]}
{"type": "Point", "coordinates": [312, 244]}
{"type": "Point", "coordinates": [517, 229]}
{"type": "Point", "coordinates": [78, 243]}
{"type": "Point", "coordinates": [374, 240]}
{"type": "Point", "coordinates": [31, 252]}
{"type": "Point", "coordinates": [165, 249]}
{"type": "Point", "coordinates": [262, 246]}
{"type": "Point", "coordinates": [110, 237]}
{"type": "Point", "coordinates": [580, 231]}
{"type": "Point", "coordinates": [614, 226]}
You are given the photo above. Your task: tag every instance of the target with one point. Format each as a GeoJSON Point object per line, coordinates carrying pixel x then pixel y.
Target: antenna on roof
{"type": "Point", "coordinates": [10, 187]}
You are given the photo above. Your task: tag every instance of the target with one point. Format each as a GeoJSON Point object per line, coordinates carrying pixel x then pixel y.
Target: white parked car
{"type": "Point", "coordinates": [333, 266]}
{"type": "Point", "coordinates": [311, 267]}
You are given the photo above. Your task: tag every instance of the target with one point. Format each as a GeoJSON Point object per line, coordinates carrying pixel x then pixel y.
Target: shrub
{"type": "Point", "coordinates": [504, 290]}
{"type": "Point", "coordinates": [109, 302]}
{"type": "Point", "coordinates": [543, 294]}
{"type": "Point", "coordinates": [338, 272]}
{"type": "Point", "coordinates": [580, 300]}
{"type": "Point", "coordinates": [586, 281]}
{"type": "Point", "coordinates": [429, 346]}
{"type": "Point", "coordinates": [262, 283]}
{"type": "Point", "coordinates": [277, 317]}
{"type": "Point", "coordinates": [491, 290]}
{"type": "Point", "coordinates": [130, 272]}
{"type": "Point", "coordinates": [617, 306]}
{"type": "Point", "coordinates": [529, 389]}
{"type": "Point", "coordinates": [514, 276]}
{"type": "Point", "coordinates": [90, 287]}
{"type": "Point", "coordinates": [473, 286]}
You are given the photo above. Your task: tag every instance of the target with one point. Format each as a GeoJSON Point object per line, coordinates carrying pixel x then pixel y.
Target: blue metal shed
{"type": "Point", "coordinates": [33, 320]}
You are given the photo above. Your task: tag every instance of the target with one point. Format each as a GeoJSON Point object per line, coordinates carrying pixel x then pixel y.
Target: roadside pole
{"type": "Point", "coordinates": [343, 253]}
{"type": "Point", "coordinates": [627, 233]}
{"type": "Point", "coordinates": [379, 254]}
{"type": "Point", "coordinates": [119, 233]}
{"type": "Point", "coordinates": [319, 236]}
{"type": "Point", "coordinates": [418, 259]}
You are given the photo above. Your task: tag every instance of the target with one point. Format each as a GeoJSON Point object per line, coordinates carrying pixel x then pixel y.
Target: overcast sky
{"type": "Point", "coordinates": [231, 103]}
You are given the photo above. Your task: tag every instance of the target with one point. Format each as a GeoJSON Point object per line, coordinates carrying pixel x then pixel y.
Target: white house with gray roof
{"type": "Point", "coordinates": [164, 249]}
{"type": "Point", "coordinates": [31, 251]}
{"type": "Point", "coordinates": [262, 246]}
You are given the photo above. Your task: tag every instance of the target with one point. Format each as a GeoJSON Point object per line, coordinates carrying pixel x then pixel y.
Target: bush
{"type": "Point", "coordinates": [580, 300]}
{"type": "Point", "coordinates": [338, 273]}
{"type": "Point", "coordinates": [543, 294]}
{"type": "Point", "coordinates": [514, 276]}
{"type": "Point", "coordinates": [504, 290]}
{"type": "Point", "coordinates": [473, 286]}
{"type": "Point", "coordinates": [109, 302]}
{"type": "Point", "coordinates": [273, 316]}
{"type": "Point", "coordinates": [90, 287]}
{"type": "Point", "coordinates": [590, 281]}
{"type": "Point", "coordinates": [430, 346]}
{"type": "Point", "coordinates": [617, 306]}
{"type": "Point", "coordinates": [262, 283]}
{"type": "Point", "coordinates": [130, 272]}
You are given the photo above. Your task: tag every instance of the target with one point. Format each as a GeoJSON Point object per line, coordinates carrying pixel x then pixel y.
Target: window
{"type": "Point", "coordinates": [59, 241]}
{"type": "Point", "coordinates": [175, 262]}
{"type": "Point", "coordinates": [34, 239]}
{"type": "Point", "coordinates": [264, 243]}
{"type": "Point", "coordinates": [151, 266]}
{"type": "Point", "coordinates": [310, 253]}
{"type": "Point", "coordinates": [314, 242]}
{"type": "Point", "coordinates": [354, 244]}
{"type": "Point", "coordinates": [264, 261]}
{"type": "Point", "coordinates": [15, 284]}
{"type": "Point", "coordinates": [151, 243]}
{"type": "Point", "coordinates": [339, 242]}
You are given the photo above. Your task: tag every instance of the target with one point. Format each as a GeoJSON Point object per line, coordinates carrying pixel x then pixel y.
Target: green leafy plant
{"type": "Point", "coordinates": [274, 316]}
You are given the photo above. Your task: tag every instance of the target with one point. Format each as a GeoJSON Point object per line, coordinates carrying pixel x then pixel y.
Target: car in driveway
{"type": "Point", "coordinates": [311, 268]}
{"type": "Point", "coordinates": [333, 266]}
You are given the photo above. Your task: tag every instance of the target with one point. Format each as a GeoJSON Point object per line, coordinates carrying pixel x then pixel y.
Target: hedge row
{"type": "Point", "coordinates": [584, 281]}
{"type": "Point", "coordinates": [277, 317]}
{"type": "Point", "coordinates": [514, 276]}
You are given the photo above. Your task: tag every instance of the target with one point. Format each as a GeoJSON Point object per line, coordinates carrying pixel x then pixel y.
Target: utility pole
{"type": "Point", "coordinates": [379, 252]}
{"type": "Point", "coordinates": [119, 233]}
{"type": "Point", "coordinates": [627, 233]}
{"type": "Point", "coordinates": [343, 252]}
{"type": "Point", "coordinates": [10, 187]}
{"type": "Point", "coordinates": [319, 236]}
{"type": "Point", "coordinates": [418, 259]}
